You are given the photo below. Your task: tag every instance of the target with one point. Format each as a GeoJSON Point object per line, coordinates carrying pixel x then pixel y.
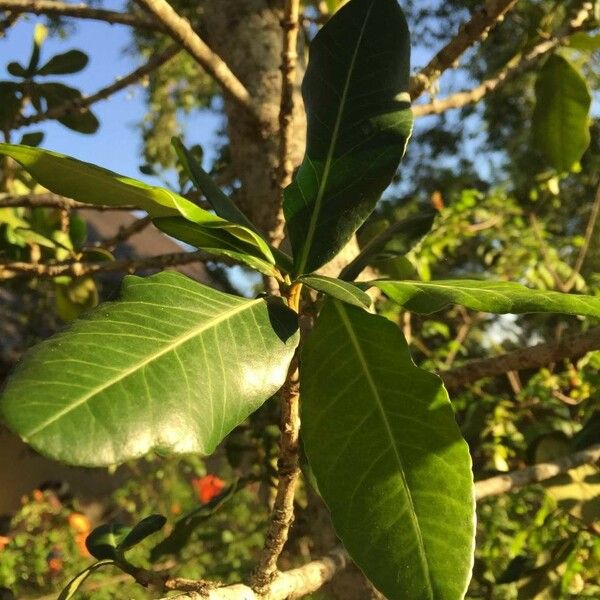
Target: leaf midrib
{"type": "Point", "coordinates": [172, 345]}
{"type": "Point", "coordinates": [413, 516]}
{"type": "Point", "coordinates": [328, 161]}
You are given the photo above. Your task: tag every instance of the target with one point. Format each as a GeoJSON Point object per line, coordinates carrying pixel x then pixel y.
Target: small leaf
{"type": "Point", "coordinates": [103, 543]}
{"type": "Point", "coordinates": [10, 104]}
{"type": "Point", "coordinates": [72, 61]}
{"type": "Point", "coordinates": [84, 121]}
{"type": "Point", "coordinates": [33, 138]}
{"type": "Point", "coordinates": [145, 528]}
{"type": "Point", "coordinates": [497, 297]}
{"type": "Point", "coordinates": [405, 232]}
{"type": "Point", "coordinates": [561, 120]}
{"type": "Point", "coordinates": [192, 363]}
{"type": "Point", "coordinates": [73, 586]}
{"type": "Point", "coordinates": [359, 121]}
{"type": "Point", "coordinates": [588, 42]}
{"type": "Point", "coordinates": [336, 288]}
{"type": "Point", "coordinates": [16, 70]}
{"type": "Point", "coordinates": [381, 439]}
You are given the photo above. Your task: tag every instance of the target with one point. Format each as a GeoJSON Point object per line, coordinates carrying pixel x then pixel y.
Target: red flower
{"type": "Point", "coordinates": [208, 487]}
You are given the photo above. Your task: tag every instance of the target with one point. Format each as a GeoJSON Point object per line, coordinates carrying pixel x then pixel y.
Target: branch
{"type": "Point", "coordinates": [532, 357]}
{"type": "Point", "coordinates": [79, 269]}
{"type": "Point", "coordinates": [79, 11]}
{"type": "Point", "coordinates": [519, 64]}
{"type": "Point", "coordinates": [288, 468]}
{"type": "Point", "coordinates": [482, 20]}
{"type": "Point", "coordinates": [288, 585]}
{"type": "Point", "coordinates": [180, 29]}
{"type": "Point", "coordinates": [81, 104]}
{"type": "Point", "coordinates": [289, 57]}
{"type": "Point", "coordinates": [49, 200]}
{"type": "Point", "coordinates": [536, 473]}
{"type": "Point", "coordinates": [125, 232]}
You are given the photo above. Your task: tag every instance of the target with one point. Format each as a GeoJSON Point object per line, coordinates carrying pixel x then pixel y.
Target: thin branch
{"type": "Point", "coordinates": [8, 22]}
{"type": "Point", "coordinates": [289, 56]}
{"type": "Point", "coordinates": [519, 64]}
{"type": "Point", "coordinates": [589, 233]}
{"type": "Point", "coordinates": [180, 29]}
{"type": "Point", "coordinates": [49, 200]}
{"type": "Point", "coordinates": [482, 20]}
{"type": "Point", "coordinates": [79, 269]}
{"type": "Point", "coordinates": [81, 104]}
{"type": "Point", "coordinates": [126, 232]}
{"type": "Point", "coordinates": [502, 484]}
{"type": "Point", "coordinates": [288, 585]}
{"type": "Point", "coordinates": [79, 11]}
{"type": "Point", "coordinates": [282, 514]}
{"type": "Point", "coordinates": [532, 357]}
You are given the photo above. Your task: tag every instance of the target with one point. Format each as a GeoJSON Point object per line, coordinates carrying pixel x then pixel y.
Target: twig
{"type": "Point", "coordinates": [180, 29]}
{"type": "Point", "coordinates": [282, 514]}
{"type": "Point", "coordinates": [288, 585]}
{"type": "Point", "coordinates": [126, 232]}
{"type": "Point", "coordinates": [79, 11]}
{"type": "Point", "coordinates": [289, 56]}
{"type": "Point", "coordinates": [532, 357]}
{"type": "Point", "coordinates": [79, 269]}
{"type": "Point", "coordinates": [482, 20]}
{"type": "Point", "coordinates": [589, 232]}
{"type": "Point", "coordinates": [49, 200]}
{"type": "Point", "coordinates": [81, 104]}
{"type": "Point", "coordinates": [8, 22]}
{"type": "Point", "coordinates": [502, 484]}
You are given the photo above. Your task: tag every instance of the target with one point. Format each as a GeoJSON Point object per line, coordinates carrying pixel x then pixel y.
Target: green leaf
{"type": "Point", "coordinates": [336, 288]}
{"type": "Point", "coordinates": [216, 241]}
{"type": "Point", "coordinates": [10, 104]}
{"type": "Point", "coordinates": [359, 121]}
{"type": "Point", "coordinates": [16, 70]}
{"type": "Point", "coordinates": [145, 528]}
{"type": "Point", "coordinates": [390, 463]}
{"type": "Point", "coordinates": [73, 586]}
{"type": "Point", "coordinates": [33, 138]}
{"type": "Point", "coordinates": [223, 204]}
{"type": "Point", "coordinates": [105, 541]}
{"type": "Point", "coordinates": [561, 119]}
{"type": "Point", "coordinates": [72, 61]}
{"type": "Point", "coordinates": [405, 232]}
{"type": "Point", "coordinates": [585, 41]}
{"type": "Point", "coordinates": [497, 297]}
{"type": "Point", "coordinates": [173, 367]}
{"type": "Point", "coordinates": [93, 185]}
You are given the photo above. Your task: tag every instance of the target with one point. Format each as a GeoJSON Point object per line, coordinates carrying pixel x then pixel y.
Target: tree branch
{"type": "Point", "coordinates": [79, 269]}
{"type": "Point", "coordinates": [288, 585]}
{"type": "Point", "coordinates": [290, 25]}
{"type": "Point", "coordinates": [476, 29]}
{"type": "Point", "coordinates": [180, 29]}
{"type": "Point", "coordinates": [126, 232]}
{"type": "Point", "coordinates": [49, 200]}
{"type": "Point", "coordinates": [81, 104]}
{"type": "Point", "coordinates": [503, 484]}
{"type": "Point", "coordinates": [532, 357]}
{"type": "Point", "coordinates": [79, 11]}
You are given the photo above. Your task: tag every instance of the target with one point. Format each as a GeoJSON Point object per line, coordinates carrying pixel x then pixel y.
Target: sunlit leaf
{"type": "Point", "coordinates": [336, 288]}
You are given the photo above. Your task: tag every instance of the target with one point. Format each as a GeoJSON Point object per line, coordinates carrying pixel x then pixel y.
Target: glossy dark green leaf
{"type": "Point", "coordinates": [105, 541]}
{"type": "Point", "coordinates": [216, 241]}
{"type": "Point", "coordinates": [381, 439]}
{"type": "Point", "coordinates": [336, 288]}
{"type": "Point", "coordinates": [73, 586]}
{"type": "Point", "coordinates": [16, 70]}
{"type": "Point", "coordinates": [497, 297]}
{"type": "Point", "coordinates": [359, 120]}
{"type": "Point", "coordinates": [72, 61]}
{"type": "Point", "coordinates": [173, 367]}
{"type": "Point", "coordinates": [405, 232]}
{"type": "Point", "coordinates": [34, 138]}
{"type": "Point", "coordinates": [145, 528]}
{"type": "Point", "coordinates": [561, 120]}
